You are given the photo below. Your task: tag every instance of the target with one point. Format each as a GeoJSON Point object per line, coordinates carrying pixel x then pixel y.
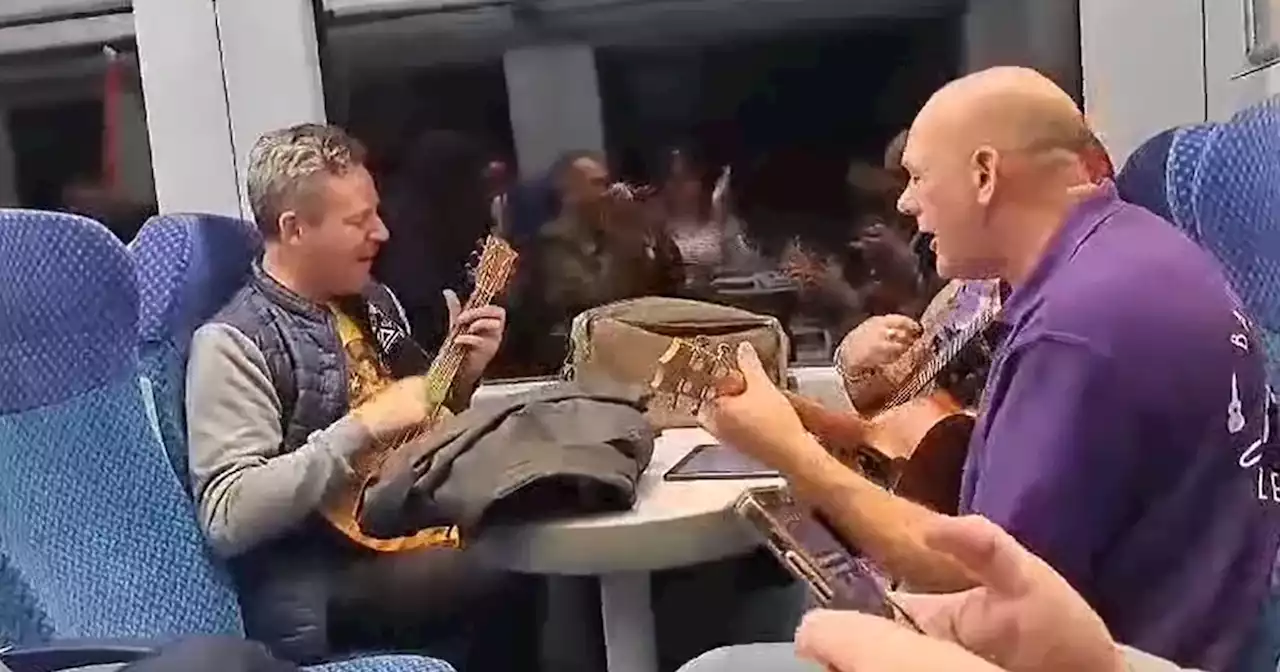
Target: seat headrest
{"type": "Point", "coordinates": [68, 309]}
{"type": "Point", "coordinates": [1182, 171]}
{"type": "Point", "coordinates": [189, 266]}
{"type": "Point", "coordinates": [1142, 180]}
{"type": "Point", "coordinates": [1237, 206]}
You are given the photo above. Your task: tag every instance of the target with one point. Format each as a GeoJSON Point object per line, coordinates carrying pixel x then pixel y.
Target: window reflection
{"type": "Point", "coordinates": [74, 137]}
{"type": "Point", "coordinates": [743, 161]}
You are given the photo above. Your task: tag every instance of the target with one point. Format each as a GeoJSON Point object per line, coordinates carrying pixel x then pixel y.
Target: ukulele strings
{"type": "Point", "coordinates": [940, 305]}
{"type": "Point", "coordinates": [439, 375]}
{"type": "Point", "coordinates": [901, 369]}
{"type": "Point", "coordinates": [934, 365]}
{"type": "Point", "coordinates": [943, 357]}
{"type": "Point", "coordinates": [988, 309]}
{"type": "Point", "coordinates": [490, 277]}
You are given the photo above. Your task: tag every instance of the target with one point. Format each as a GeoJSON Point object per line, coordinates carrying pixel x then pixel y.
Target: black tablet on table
{"type": "Point", "coordinates": [712, 461]}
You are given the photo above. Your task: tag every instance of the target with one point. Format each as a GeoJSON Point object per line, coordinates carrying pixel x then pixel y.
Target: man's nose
{"type": "Point", "coordinates": [906, 202]}
{"type": "Point", "coordinates": [380, 233]}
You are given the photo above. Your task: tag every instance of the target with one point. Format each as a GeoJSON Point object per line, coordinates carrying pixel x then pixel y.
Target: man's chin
{"type": "Point", "coordinates": [949, 270]}
{"type": "Point", "coordinates": [957, 272]}
{"type": "Point", "coordinates": [945, 269]}
{"type": "Point", "coordinates": [357, 283]}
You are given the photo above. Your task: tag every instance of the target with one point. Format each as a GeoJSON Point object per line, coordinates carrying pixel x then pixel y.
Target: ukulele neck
{"type": "Point", "coordinates": [443, 373]}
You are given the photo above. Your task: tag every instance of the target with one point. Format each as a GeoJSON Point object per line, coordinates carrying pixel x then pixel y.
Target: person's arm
{"type": "Point", "coordinates": [247, 491]}
{"type": "Point", "coordinates": [890, 530]}
{"type": "Point", "coordinates": [1060, 470]}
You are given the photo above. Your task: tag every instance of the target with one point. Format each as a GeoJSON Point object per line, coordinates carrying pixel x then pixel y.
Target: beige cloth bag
{"type": "Point", "coordinates": [623, 341]}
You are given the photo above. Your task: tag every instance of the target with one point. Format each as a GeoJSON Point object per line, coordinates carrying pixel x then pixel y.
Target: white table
{"type": "Point", "coordinates": [674, 524]}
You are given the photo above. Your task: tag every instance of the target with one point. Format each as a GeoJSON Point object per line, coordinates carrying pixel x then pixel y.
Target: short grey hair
{"type": "Point", "coordinates": [283, 165]}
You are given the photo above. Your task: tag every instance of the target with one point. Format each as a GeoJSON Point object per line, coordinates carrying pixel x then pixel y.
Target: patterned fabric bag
{"type": "Point", "coordinates": [623, 341]}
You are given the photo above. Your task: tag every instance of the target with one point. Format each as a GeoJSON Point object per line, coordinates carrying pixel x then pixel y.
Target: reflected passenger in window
{"type": "Point", "coordinates": [696, 216]}
{"type": "Point", "coordinates": [884, 262]}
{"type": "Point", "coordinates": [604, 246]}
{"type": "Point", "coordinates": [437, 209]}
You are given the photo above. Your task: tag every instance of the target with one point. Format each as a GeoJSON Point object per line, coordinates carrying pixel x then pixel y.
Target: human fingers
{"type": "Point", "coordinates": [898, 337]}
{"type": "Point", "coordinates": [487, 327]}
{"type": "Point", "coordinates": [935, 613]}
{"type": "Point", "coordinates": [888, 348]}
{"type": "Point", "coordinates": [874, 354]}
{"type": "Point", "coordinates": [1027, 616]}
{"type": "Point", "coordinates": [472, 341]}
{"type": "Point", "coordinates": [991, 557]}
{"type": "Point", "coordinates": [469, 316]}
{"type": "Point", "coordinates": [411, 391]}
{"type": "Point", "coordinates": [453, 305]}
{"type": "Point", "coordinates": [849, 641]}
{"type": "Point", "coordinates": [899, 324]}
{"type": "Point", "coordinates": [749, 364]}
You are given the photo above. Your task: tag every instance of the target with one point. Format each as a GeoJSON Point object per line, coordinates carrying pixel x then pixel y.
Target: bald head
{"type": "Point", "coordinates": [1007, 108]}
{"type": "Point", "coordinates": [985, 153]}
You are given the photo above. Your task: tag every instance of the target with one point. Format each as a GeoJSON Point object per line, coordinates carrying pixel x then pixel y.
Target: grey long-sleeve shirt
{"type": "Point", "coordinates": [247, 491]}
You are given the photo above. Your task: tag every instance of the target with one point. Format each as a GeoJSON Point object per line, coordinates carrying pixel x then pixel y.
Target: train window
{"type": "Point", "coordinates": [73, 136]}
{"type": "Point", "coordinates": [424, 89]}
{"type": "Point", "coordinates": [462, 101]}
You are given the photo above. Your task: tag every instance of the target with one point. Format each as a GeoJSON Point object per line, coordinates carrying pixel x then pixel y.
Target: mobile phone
{"type": "Point", "coordinates": [711, 461]}
{"type": "Point", "coordinates": [806, 547]}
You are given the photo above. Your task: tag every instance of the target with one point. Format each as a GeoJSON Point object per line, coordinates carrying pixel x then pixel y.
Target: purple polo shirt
{"type": "Point", "coordinates": [1115, 433]}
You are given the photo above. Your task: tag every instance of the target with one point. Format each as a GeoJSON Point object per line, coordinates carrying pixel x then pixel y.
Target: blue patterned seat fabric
{"type": "Point", "coordinates": [1142, 180]}
{"type": "Point", "coordinates": [1186, 158]}
{"type": "Point", "coordinates": [188, 267]}
{"type": "Point", "coordinates": [95, 528]}
{"type": "Point", "coordinates": [1222, 185]}
{"type": "Point", "coordinates": [1237, 208]}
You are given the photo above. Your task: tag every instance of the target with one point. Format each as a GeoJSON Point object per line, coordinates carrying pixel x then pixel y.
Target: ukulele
{"type": "Point", "coordinates": [916, 450]}
{"type": "Point", "coordinates": [492, 273]}
{"type": "Point", "coordinates": [955, 316]}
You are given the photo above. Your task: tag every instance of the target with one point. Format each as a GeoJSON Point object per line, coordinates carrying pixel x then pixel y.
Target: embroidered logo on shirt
{"type": "Point", "coordinates": [1262, 455]}
{"type": "Point", "coordinates": [1235, 409]}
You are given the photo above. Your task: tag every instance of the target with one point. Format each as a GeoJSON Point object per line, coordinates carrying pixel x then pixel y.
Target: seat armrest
{"type": "Point", "coordinates": [67, 654]}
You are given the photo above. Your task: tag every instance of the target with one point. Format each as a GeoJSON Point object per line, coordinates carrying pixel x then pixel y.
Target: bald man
{"type": "Point", "coordinates": [1119, 429]}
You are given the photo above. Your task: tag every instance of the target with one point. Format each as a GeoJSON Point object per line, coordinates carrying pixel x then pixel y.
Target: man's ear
{"type": "Point", "coordinates": [290, 225]}
{"type": "Point", "coordinates": [986, 164]}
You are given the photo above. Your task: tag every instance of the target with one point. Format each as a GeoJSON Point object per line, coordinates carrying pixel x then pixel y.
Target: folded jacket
{"type": "Point", "coordinates": [560, 450]}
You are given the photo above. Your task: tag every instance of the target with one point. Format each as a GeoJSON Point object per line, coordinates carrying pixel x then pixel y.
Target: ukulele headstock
{"type": "Point", "coordinates": [691, 372]}
{"type": "Point", "coordinates": [493, 264]}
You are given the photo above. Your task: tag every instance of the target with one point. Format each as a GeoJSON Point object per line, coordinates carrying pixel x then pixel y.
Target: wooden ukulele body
{"type": "Point", "coordinates": [342, 508]}
{"type": "Point", "coordinates": [916, 449]}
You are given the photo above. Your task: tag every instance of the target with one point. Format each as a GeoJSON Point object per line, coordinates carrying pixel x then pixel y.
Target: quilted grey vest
{"type": "Point", "coordinates": [305, 358]}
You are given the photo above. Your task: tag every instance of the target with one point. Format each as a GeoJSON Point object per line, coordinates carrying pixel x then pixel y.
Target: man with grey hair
{"type": "Point", "coordinates": [308, 364]}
